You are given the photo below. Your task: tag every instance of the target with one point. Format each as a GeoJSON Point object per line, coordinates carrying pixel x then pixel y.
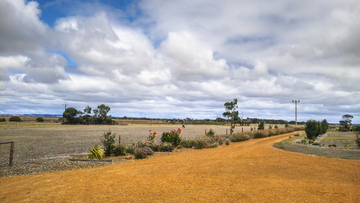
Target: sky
{"type": "Point", "coordinates": [179, 59]}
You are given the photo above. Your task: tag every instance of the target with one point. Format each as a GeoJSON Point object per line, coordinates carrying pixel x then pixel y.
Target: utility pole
{"type": "Point", "coordinates": [296, 102]}
{"type": "Point", "coordinates": [65, 106]}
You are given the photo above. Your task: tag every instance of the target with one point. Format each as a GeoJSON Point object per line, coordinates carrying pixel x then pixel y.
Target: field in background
{"type": "Point", "coordinates": [59, 141]}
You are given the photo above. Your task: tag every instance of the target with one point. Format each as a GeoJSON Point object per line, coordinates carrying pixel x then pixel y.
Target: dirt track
{"type": "Point", "coordinates": [250, 171]}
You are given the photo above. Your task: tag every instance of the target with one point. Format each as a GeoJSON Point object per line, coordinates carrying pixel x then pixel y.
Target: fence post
{"type": "Point", "coordinates": [205, 132]}
{"type": "Point", "coordinates": [119, 139]}
{"type": "Point", "coordinates": [226, 131]}
{"type": "Point", "coordinates": [11, 153]}
{"type": "Point", "coordinates": [242, 129]}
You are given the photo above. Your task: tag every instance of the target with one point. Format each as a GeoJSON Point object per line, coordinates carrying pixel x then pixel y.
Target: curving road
{"type": "Point", "coordinates": [250, 171]}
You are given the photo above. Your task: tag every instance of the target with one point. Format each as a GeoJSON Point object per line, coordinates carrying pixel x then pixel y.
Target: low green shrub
{"type": "Point", "coordinates": [358, 141]}
{"type": "Point", "coordinates": [187, 143]}
{"type": "Point", "coordinates": [172, 137]}
{"type": "Point", "coordinates": [238, 137]}
{"type": "Point", "coordinates": [2, 119]}
{"type": "Point", "coordinates": [130, 149]}
{"type": "Point", "coordinates": [39, 119]}
{"type": "Point", "coordinates": [199, 144]}
{"type": "Point", "coordinates": [210, 133]}
{"type": "Point", "coordinates": [96, 153]}
{"type": "Point", "coordinates": [108, 141]}
{"type": "Point", "coordinates": [260, 134]}
{"type": "Point", "coordinates": [15, 119]}
{"type": "Point", "coordinates": [214, 145]}
{"type": "Point", "coordinates": [311, 141]}
{"type": "Point", "coordinates": [276, 127]}
{"type": "Point", "coordinates": [304, 141]}
{"type": "Point", "coordinates": [120, 150]}
{"type": "Point", "coordinates": [227, 141]}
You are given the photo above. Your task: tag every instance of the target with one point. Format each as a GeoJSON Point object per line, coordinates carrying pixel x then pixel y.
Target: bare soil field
{"type": "Point", "coordinates": [250, 171]}
{"type": "Point", "coordinates": [48, 143]}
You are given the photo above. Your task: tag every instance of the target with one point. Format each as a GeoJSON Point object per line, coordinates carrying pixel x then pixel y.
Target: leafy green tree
{"type": "Point", "coordinates": [261, 125]}
{"type": "Point", "coordinates": [324, 126]}
{"type": "Point", "coordinates": [39, 119]}
{"type": "Point", "coordinates": [70, 115]}
{"type": "Point", "coordinates": [231, 111]}
{"type": "Point", "coordinates": [87, 110]}
{"type": "Point", "coordinates": [100, 114]}
{"type": "Point", "coordinates": [15, 119]}
{"type": "Point", "coordinates": [346, 120]}
{"type": "Point", "coordinates": [312, 129]}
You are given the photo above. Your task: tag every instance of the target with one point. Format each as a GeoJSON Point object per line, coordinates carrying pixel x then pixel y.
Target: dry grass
{"type": "Point", "coordinates": [250, 171]}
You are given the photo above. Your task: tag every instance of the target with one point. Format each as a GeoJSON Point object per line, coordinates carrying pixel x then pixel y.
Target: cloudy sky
{"type": "Point", "coordinates": [178, 59]}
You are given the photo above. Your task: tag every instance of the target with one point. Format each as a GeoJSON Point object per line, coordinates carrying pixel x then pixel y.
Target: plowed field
{"type": "Point", "coordinates": [250, 171]}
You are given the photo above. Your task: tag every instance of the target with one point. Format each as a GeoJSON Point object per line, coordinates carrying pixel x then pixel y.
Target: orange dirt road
{"type": "Point", "coordinates": [250, 171]}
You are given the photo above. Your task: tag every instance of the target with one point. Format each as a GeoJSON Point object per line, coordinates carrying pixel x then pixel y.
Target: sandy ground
{"type": "Point", "coordinates": [251, 171]}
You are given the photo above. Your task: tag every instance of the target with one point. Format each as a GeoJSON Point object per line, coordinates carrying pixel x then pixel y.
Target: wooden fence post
{"type": "Point", "coordinates": [242, 129]}
{"type": "Point", "coordinates": [11, 153]}
{"type": "Point", "coordinates": [205, 132]}
{"type": "Point", "coordinates": [226, 131]}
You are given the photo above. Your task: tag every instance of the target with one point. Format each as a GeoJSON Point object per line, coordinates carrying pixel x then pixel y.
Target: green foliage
{"type": "Point", "coordinates": [70, 114]}
{"type": "Point", "coordinates": [270, 127]}
{"type": "Point", "coordinates": [276, 127]}
{"type": "Point", "coordinates": [315, 128]}
{"type": "Point", "coordinates": [214, 145]}
{"type": "Point", "coordinates": [199, 144]}
{"type": "Point", "coordinates": [96, 153]}
{"type": "Point", "coordinates": [356, 130]}
{"type": "Point", "coordinates": [39, 119]}
{"type": "Point", "coordinates": [143, 152]}
{"type": "Point", "coordinates": [15, 119]}
{"type": "Point", "coordinates": [260, 134]}
{"type": "Point", "coordinates": [238, 137]}
{"type": "Point", "coordinates": [286, 125]}
{"type": "Point", "coordinates": [346, 120]}
{"type": "Point", "coordinates": [227, 141]}
{"type": "Point", "coordinates": [324, 126]}
{"type": "Point", "coordinates": [261, 126]}
{"type": "Point", "coordinates": [172, 137]}
{"type": "Point", "coordinates": [304, 141]}
{"type": "Point", "coordinates": [358, 141]}
{"type": "Point", "coordinates": [210, 133]}
{"type": "Point", "coordinates": [120, 150]}
{"type": "Point", "coordinates": [187, 143]}
{"type": "Point", "coordinates": [130, 149]}
{"type": "Point", "coordinates": [100, 113]}
{"type": "Point", "coordinates": [2, 119]}
{"type": "Point", "coordinates": [232, 129]}
{"type": "Point", "coordinates": [230, 110]}
{"type": "Point", "coordinates": [108, 141]}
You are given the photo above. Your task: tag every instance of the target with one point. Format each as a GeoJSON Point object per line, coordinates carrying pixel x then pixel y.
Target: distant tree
{"type": "Point", "coordinates": [286, 125]}
{"type": "Point", "coordinates": [39, 119]}
{"type": "Point", "coordinates": [346, 120]}
{"type": "Point", "coordinates": [356, 130]}
{"type": "Point", "coordinates": [100, 114]}
{"type": "Point", "coordinates": [261, 125]}
{"type": "Point", "coordinates": [324, 126]}
{"type": "Point", "coordinates": [2, 119]}
{"type": "Point", "coordinates": [87, 110]}
{"type": "Point", "coordinates": [15, 119]}
{"type": "Point", "coordinates": [230, 111]}
{"type": "Point", "coordinates": [70, 115]}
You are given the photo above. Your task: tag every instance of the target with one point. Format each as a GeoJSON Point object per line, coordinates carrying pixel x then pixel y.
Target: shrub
{"type": "Point", "coordinates": [120, 150]}
{"type": "Point", "coordinates": [315, 128]}
{"type": "Point", "coordinates": [172, 137]}
{"type": "Point", "coordinates": [238, 137]}
{"type": "Point", "coordinates": [15, 119]}
{"type": "Point", "coordinates": [304, 141]}
{"type": "Point", "coordinates": [358, 141]}
{"type": "Point", "coordinates": [270, 127]}
{"type": "Point", "coordinates": [311, 141]}
{"type": "Point", "coordinates": [261, 126]}
{"type": "Point", "coordinates": [187, 143]}
{"type": "Point", "coordinates": [217, 139]}
{"type": "Point", "coordinates": [227, 141]}
{"type": "Point", "coordinates": [211, 133]}
{"type": "Point", "coordinates": [276, 127]}
{"type": "Point", "coordinates": [2, 119]}
{"type": "Point", "coordinates": [343, 129]}
{"type": "Point", "coordinates": [96, 153]}
{"type": "Point", "coordinates": [286, 125]}
{"type": "Point", "coordinates": [199, 144]}
{"type": "Point", "coordinates": [108, 141]}
{"type": "Point", "coordinates": [143, 152]}
{"type": "Point", "coordinates": [214, 145]}
{"type": "Point", "coordinates": [39, 119]}
{"type": "Point", "coordinates": [130, 150]}
{"type": "Point", "coordinates": [260, 134]}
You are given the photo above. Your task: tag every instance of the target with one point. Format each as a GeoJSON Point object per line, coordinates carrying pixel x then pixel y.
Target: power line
{"type": "Point", "coordinates": [312, 100]}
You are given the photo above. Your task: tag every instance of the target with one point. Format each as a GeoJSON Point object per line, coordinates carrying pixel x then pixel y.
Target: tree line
{"type": "Point", "coordinates": [99, 116]}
